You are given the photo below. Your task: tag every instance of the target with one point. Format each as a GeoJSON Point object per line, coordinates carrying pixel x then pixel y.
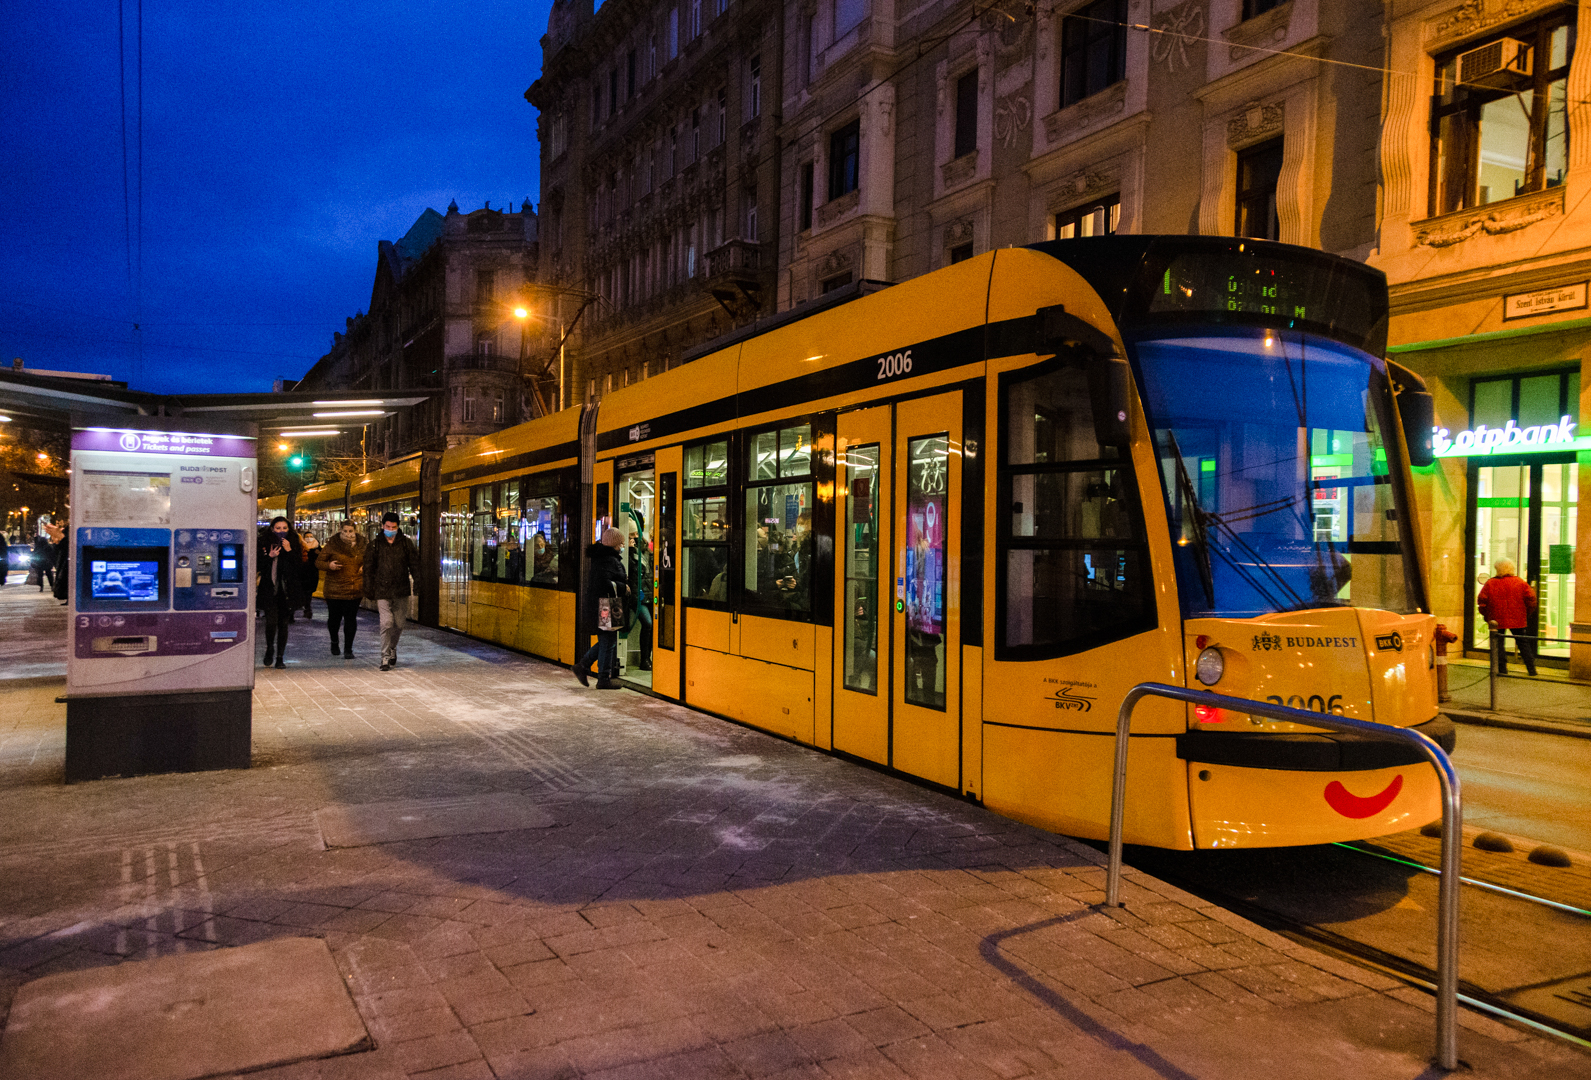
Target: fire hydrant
{"type": "Point", "coordinates": [1442, 638]}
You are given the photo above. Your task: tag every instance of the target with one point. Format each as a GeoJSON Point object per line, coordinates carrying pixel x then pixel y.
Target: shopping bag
{"type": "Point", "coordinates": [610, 613]}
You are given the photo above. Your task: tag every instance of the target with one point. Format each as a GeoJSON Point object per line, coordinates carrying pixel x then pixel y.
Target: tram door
{"type": "Point", "coordinates": [455, 605]}
{"type": "Point", "coordinates": [665, 598]}
{"type": "Point", "coordinates": [897, 695]}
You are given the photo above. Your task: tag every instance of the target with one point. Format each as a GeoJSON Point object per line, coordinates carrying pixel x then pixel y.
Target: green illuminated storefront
{"type": "Point", "coordinates": [1507, 482]}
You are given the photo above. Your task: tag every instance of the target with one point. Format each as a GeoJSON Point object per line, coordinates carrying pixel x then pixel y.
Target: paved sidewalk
{"type": "Point", "coordinates": [1548, 702]}
{"type": "Point", "coordinates": [707, 901]}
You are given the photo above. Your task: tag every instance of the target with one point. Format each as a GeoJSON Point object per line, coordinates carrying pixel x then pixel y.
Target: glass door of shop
{"type": "Point", "coordinates": [635, 517]}
{"type": "Point", "coordinates": [1527, 514]}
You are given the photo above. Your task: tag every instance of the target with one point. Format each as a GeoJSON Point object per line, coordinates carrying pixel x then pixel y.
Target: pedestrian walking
{"type": "Point", "coordinates": [1509, 601]}
{"type": "Point", "coordinates": [5, 559]}
{"type": "Point", "coordinates": [61, 557]}
{"type": "Point", "coordinates": [279, 589]}
{"type": "Point", "coordinates": [391, 561]}
{"type": "Point", "coordinates": [606, 579]}
{"type": "Point", "coordinates": [342, 560]}
{"type": "Point", "coordinates": [311, 571]}
{"type": "Point", "coordinates": [43, 560]}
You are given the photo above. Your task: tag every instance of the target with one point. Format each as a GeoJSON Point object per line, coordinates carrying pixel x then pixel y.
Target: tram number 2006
{"type": "Point", "coordinates": [893, 364]}
{"type": "Point", "coordinates": [1314, 703]}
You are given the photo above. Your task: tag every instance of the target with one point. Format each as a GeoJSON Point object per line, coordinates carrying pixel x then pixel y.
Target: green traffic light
{"type": "Point", "coordinates": [296, 461]}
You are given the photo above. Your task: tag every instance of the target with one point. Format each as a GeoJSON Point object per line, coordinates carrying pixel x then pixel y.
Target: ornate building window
{"type": "Point", "coordinates": [845, 147]}
{"type": "Point", "coordinates": [1258, 170]}
{"type": "Point", "coordinates": [1499, 117]}
{"type": "Point", "coordinates": [1093, 49]}
{"type": "Point", "coordinates": [966, 113]}
{"type": "Point", "coordinates": [1097, 218]}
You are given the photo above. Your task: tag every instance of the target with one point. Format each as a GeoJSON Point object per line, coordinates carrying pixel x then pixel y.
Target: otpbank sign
{"type": "Point", "coordinates": [1481, 441]}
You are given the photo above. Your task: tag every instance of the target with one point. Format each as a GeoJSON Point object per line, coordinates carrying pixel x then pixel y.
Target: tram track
{"type": "Point", "coordinates": [1360, 931]}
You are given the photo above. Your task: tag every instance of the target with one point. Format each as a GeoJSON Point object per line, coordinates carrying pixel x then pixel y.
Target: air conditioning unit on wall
{"type": "Point", "coordinates": [1498, 64]}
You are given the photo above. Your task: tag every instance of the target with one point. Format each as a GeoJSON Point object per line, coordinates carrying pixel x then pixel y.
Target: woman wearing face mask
{"type": "Point", "coordinates": [280, 590]}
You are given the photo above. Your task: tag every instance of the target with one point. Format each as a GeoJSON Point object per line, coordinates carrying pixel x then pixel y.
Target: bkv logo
{"type": "Point", "coordinates": [1068, 698]}
{"type": "Point", "coordinates": [1264, 642]}
{"type": "Point", "coordinates": [1392, 642]}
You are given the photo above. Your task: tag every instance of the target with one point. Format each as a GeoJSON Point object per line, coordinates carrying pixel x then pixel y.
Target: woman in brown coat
{"type": "Point", "coordinates": [342, 560]}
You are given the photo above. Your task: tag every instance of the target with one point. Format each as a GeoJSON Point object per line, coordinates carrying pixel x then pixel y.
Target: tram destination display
{"type": "Point", "coordinates": [1241, 284]}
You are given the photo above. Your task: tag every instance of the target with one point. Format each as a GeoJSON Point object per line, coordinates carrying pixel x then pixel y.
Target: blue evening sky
{"type": "Point", "coordinates": [281, 141]}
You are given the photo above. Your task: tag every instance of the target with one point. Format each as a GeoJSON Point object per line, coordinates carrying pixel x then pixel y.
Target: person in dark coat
{"type": "Point", "coordinates": [62, 558]}
{"type": "Point", "coordinates": [391, 561]}
{"type": "Point", "coordinates": [5, 559]}
{"type": "Point", "coordinates": [280, 589]}
{"type": "Point", "coordinates": [1508, 602]}
{"type": "Point", "coordinates": [44, 561]}
{"type": "Point", "coordinates": [310, 570]}
{"type": "Point", "coordinates": [606, 576]}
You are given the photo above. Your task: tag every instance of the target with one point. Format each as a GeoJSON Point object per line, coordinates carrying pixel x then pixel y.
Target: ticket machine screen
{"type": "Point", "coordinates": [119, 576]}
{"type": "Point", "coordinates": [231, 560]}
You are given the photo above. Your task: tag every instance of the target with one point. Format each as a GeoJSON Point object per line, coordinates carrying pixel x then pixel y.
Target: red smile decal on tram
{"type": "Point", "coordinates": [1350, 805]}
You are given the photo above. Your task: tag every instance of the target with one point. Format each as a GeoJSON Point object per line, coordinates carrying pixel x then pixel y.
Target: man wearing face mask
{"type": "Point", "coordinates": [390, 562]}
{"type": "Point", "coordinates": [280, 589]}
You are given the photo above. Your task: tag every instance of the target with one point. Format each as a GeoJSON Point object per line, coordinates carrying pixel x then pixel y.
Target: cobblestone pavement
{"type": "Point", "coordinates": [709, 901]}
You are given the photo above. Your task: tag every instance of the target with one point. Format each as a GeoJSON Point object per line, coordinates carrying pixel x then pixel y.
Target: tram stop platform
{"type": "Point", "coordinates": [472, 867]}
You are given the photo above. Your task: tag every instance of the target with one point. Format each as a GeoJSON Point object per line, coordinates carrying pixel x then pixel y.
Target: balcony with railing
{"type": "Point", "coordinates": [734, 277]}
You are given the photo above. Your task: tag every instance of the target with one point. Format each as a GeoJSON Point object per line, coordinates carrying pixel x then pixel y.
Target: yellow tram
{"type": "Point", "coordinates": [945, 527]}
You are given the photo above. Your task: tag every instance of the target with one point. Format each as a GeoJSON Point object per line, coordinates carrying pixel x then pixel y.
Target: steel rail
{"type": "Point", "coordinates": [1452, 824]}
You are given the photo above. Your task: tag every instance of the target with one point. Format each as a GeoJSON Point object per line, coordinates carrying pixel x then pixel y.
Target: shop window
{"type": "Point", "coordinates": [779, 543]}
{"type": "Point", "coordinates": [1258, 170]}
{"type": "Point", "coordinates": [966, 113]}
{"type": "Point", "coordinates": [706, 527]}
{"type": "Point", "coordinates": [1095, 219]}
{"type": "Point", "coordinates": [844, 159]}
{"type": "Point", "coordinates": [1073, 565]}
{"type": "Point", "coordinates": [1499, 117]}
{"type": "Point", "coordinates": [1093, 49]}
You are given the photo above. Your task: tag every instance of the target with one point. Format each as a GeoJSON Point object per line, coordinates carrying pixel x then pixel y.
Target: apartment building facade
{"type": "Point", "coordinates": [1486, 242]}
{"type": "Point", "coordinates": [442, 318]}
{"type": "Point", "coordinates": [660, 181]}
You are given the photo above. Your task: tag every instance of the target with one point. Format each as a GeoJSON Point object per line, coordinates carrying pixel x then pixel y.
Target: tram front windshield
{"type": "Point", "coordinates": [1274, 450]}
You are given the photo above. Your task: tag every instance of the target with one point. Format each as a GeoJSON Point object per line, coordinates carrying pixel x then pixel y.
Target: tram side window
{"type": "Point", "coordinates": [705, 554]}
{"type": "Point", "coordinates": [1074, 563]}
{"type": "Point", "coordinates": [779, 544]}
{"type": "Point", "coordinates": [483, 533]}
{"type": "Point", "coordinates": [510, 534]}
{"type": "Point", "coordinates": [542, 535]}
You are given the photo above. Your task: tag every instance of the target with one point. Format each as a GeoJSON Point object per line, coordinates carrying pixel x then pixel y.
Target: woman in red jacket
{"type": "Point", "coordinates": [1508, 601]}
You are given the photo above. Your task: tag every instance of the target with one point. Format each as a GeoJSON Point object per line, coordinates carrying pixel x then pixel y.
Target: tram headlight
{"type": "Point", "coordinates": [1210, 667]}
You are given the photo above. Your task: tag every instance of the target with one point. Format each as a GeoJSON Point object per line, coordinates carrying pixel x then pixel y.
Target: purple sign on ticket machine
{"type": "Point", "coordinates": [179, 443]}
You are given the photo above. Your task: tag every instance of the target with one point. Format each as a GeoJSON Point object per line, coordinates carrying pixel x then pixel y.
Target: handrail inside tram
{"type": "Point", "coordinates": [1452, 821]}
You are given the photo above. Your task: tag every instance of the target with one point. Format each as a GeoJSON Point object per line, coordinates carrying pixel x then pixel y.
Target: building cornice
{"type": "Point", "coordinates": [1486, 283]}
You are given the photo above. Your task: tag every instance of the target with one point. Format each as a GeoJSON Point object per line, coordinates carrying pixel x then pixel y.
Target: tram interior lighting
{"type": "Point", "coordinates": [1210, 666]}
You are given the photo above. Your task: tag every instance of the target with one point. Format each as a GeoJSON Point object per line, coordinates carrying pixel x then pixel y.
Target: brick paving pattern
{"type": "Point", "coordinates": [709, 901]}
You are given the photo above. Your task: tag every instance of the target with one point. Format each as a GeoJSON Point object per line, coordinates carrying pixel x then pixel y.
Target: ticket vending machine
{"type": "Point", "coordinates": [160, 669]}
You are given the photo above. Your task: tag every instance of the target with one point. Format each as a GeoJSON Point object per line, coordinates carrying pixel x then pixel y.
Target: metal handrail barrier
{"type": "Point", "coordinates": [1497, 643]}
{"type": "Point", "coordinates": [1452, 824]}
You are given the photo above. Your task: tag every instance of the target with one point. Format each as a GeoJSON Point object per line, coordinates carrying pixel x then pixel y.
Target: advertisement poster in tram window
{"type": "Point", "coordinates": [926, 499]}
